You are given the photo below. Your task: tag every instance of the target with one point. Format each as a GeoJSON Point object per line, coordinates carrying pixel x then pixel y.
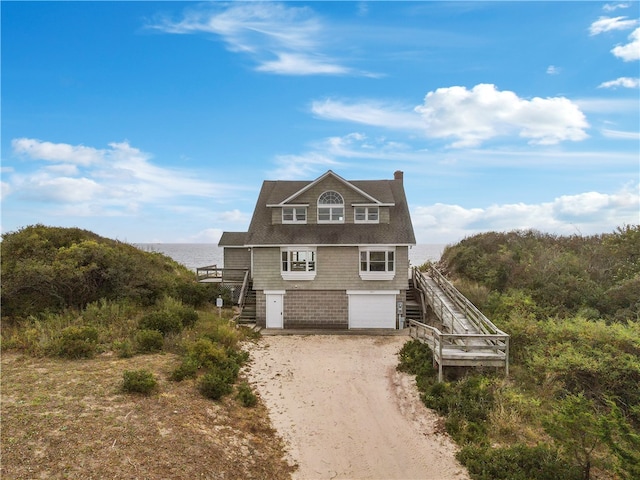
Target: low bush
{"type": "Point", "coordinates": [518, 462]}
{"type": "Point", "coordinates": [123, 348]}
{"type": "Point", "coordinates": [77, 342]}
{"type": "Point", "coordinates": [206, 354]}
{"type": "Point", "coordinates": [224, 335]}
{"type": "Point", "coordinates": [149, 341]}
{"type": "Point", "coordinates": [139, 381]}
{"type": "Point", "coordinates": [188, 368]}
{"type": "Point", "coordinates": [467, 402]}
{"type": "Point", "coordinates": [416, 358]}
{"type": "Point", "coordinates": [188, 317]}
{"type": "Point", "coordinates": [214, 385]}
{"type": "Point", "coordinates": [162, 321]}
{"type": "Point", "coordinates": [246, 396]}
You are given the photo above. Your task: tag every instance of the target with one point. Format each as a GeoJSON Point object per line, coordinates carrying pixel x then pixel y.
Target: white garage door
{"type": "Point", "coordinates": [372, 310]}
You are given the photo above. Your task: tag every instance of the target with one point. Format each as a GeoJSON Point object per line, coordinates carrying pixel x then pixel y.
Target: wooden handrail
{"type": "Point", "coordinates": [243, 290]}
{"type": "Point", "coordinates": [486, 337]}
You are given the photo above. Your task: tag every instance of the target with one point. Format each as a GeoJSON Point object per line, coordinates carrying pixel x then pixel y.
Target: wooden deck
{"type": "Point", "coordinates": [463, 336]}
{"type": "Point", "coordinates": [213, 274]}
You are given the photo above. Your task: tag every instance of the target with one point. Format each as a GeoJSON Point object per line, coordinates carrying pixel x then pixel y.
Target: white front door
{"type": "Point", "coordinates": [274, 310]}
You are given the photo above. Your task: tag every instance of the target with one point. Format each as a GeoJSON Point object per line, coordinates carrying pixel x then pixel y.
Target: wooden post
{"type": "Point", "coordinates": [506, 358]}
{"type": "Point", "coordinates": [440, 360]}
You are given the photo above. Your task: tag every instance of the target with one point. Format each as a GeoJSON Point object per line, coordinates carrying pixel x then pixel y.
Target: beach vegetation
{"type": "Point", "coordinates": [70, 293]}
{"type": "Point", "coordinates": [571, 405]}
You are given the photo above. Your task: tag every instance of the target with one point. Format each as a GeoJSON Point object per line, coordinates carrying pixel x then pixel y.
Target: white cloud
{"type": "Point", "coordinates": [56, 152]}
{"type": "Point", "coordinates": [282, 39]}
{"type": "Point", "coordinates": [625, 82]}
{"type": "Point", "coordinates": [553, 70]}
{"type": "Point", "coordinates": [610, 7]}
{"type": "Point", "coordinates": [586, 213]}
{"type": "Point", "coordinates": [608, 105]}
{"type": "Point", "coordinates": [630, 51]}
{"type": "Point", "coordinates": [607, 24]}
{"type": "Point", "coordinates": [621, 135]}
{"type": "Point", "coordinates": [297, 64]}
{"type": "Point", "coordinates": [482, 113]}
{"type": "Point", "coordinates": [234, 216]}
{"type": "Point", "coordinates": [60, 189]}
{"type": "Point", "coordinates": [114, 181]}
{"type": "Point", "coordinates": [302, 166]}
{"type": "Point", "coordinates": [369, 113]}
{"type": "Point", "coordinates": [208, 235]}
{"type": "Point", "coordinates": [469, 117]}
{"type": "Point", "coordinates": [5, 190]}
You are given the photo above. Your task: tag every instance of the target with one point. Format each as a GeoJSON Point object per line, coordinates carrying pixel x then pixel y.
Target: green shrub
{"type": "Point", "coordinates": [139, 381]}
{"type": "Point", "coordinates": [214, 385]}
{"type": "Point", "coordinates": [224, 335]}
{"type": "Point", "coordinates": [193, 293]}
{"type": "Point", "coordinates": [149, 341]}
{"type": "Point", "coordinates": [246, 396]}
{"type": "Point", "coordinates": [518, 462]}
{"type": "Point", "coordinates": [416, 358]}
{"type": "Point", "coordinates": [206, 354]}
{"type": "Point", "coordinates": [467, 403]}
{"type": "Point", "coordinates": [187, 369]}
{"type": "Point", "coordinates": [188, 317]}
{"type": "Point", "coordinates": [162, 321]}
{"type": "Point", "coordinates": [77, 342]}
{"type": "Point", "coordinates": [123, 348]}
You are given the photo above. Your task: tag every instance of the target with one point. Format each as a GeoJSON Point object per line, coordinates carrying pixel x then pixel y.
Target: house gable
{"type": "Point", "coordinates": [392, 227]}
{"type": "Point", "coordinates": [330, 181]}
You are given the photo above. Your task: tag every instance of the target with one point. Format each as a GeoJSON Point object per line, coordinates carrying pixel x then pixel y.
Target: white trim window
{"type": "Point", "coordinates": [294, 214]}
{"type": "Point", "coordinates": [298, 263]}
{"type": "Point", "coordinates": [377, 263]}
{"type": "Point", "coordinates": [330, 207]}
{"type": "Point", "coordinates": [366, 214]}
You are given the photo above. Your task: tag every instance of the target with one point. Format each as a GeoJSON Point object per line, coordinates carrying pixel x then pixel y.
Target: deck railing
{"type": "Point", "coordinates": [470, 336]}
{"type": "Point", "coordinates": [224, 275]}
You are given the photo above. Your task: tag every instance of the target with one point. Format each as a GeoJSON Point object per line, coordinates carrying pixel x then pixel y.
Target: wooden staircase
{"type": "Point", "coordinates": [248, 310]}
{"type": "Point", "coordinates": [413, 308]}
{"type": "Point", "coordinates": [464, 336]}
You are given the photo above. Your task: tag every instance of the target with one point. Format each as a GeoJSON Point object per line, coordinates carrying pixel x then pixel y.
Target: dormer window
{"type": "Point", "coordinates": [330, 208]}
{"type": "Point", "coordinates": [294, 214]}
{"type": "Point", "coordinates": [366, 214]}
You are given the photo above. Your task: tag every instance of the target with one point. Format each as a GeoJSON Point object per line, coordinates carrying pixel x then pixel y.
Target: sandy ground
{"type": "Point", "coordinates": [344, 412]}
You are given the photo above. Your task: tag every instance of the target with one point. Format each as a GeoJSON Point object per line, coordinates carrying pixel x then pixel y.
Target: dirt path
{"type": "Point", "coordinates": [344, 411]}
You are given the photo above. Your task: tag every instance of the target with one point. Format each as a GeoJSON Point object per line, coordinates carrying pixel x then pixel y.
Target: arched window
{"type": "Point", "coordinates": [330, 207]}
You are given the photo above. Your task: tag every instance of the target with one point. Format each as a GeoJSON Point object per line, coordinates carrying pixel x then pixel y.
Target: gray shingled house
{"type": "Point", "coordinates": [327, 253]}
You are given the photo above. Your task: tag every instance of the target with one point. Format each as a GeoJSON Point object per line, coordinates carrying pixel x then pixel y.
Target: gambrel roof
{"type": "Point", "coordinates": [387, 193]}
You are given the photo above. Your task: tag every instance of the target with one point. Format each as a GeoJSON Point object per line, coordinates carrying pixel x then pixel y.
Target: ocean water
{"type": "Point", "coordinates": [194, 255]}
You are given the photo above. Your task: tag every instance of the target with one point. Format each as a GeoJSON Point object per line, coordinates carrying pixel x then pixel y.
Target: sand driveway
{"type": "Point", "coordinates": [344, 411]}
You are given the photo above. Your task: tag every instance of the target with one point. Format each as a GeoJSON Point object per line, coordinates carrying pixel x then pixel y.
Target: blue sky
{"type": "Point", "coordinates": [158, 121]}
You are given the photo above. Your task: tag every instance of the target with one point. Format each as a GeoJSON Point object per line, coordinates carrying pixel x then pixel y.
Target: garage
{"type": "Point", "coordinates": [372, 309]}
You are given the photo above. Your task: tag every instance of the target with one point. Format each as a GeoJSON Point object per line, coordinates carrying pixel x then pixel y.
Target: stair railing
{"type": "Point", "coordinates": [243, 290]}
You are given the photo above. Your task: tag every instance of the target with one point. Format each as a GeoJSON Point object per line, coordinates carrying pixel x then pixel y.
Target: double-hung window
{"type": "Point", "coordinates": [298, 263]}
{"type": "Point", "coordinates": [294, 215]}
{"type": "Point", "coordinates": [366, 214]}
{"type": "Point", "coordinates": [330, 208]}
{"type": "Point", "coordinates": [377, 263]}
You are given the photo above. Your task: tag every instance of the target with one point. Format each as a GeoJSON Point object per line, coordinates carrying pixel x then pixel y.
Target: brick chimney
{"type": "Point", "coordinates": [398, 175]}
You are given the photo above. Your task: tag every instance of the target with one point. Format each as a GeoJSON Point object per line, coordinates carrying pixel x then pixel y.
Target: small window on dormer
{"type": "Point", "coordinates": [330, 208]}
{"type": "Point", "coordinates": [366, 214]}
{"type": "Point", "coordinates": [294, 215]}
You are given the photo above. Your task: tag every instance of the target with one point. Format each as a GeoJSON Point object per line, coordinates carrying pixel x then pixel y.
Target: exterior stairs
{"type": "Point", "coordinates": [248, 312]}
{"type": "Point", "coordinates": [413, 309]}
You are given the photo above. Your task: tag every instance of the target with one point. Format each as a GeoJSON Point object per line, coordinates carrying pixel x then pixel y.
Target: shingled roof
{"type": "Point", "coordinates": [233, 239]}
{"type": "Point", "coordinates": [399, 231]}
